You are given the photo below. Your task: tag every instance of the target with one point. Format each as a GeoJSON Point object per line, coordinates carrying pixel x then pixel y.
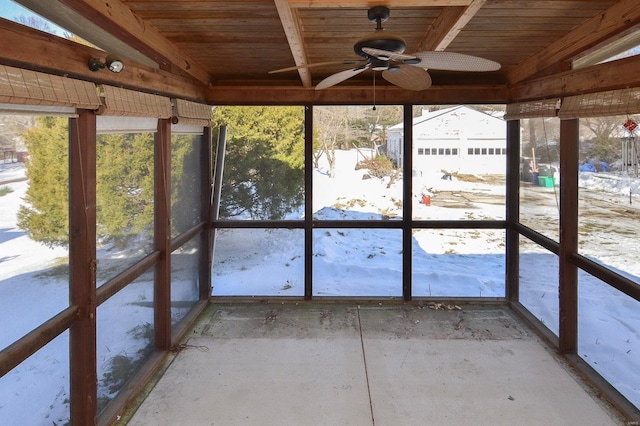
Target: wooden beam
{"type": "Point", "coordinates": [568, 272]}
{"type": "Point", "coordinates": [364, 4]}
{"type": "Point", "coordinates": [441, 26]}
{"type": "Point", "coordinates": [117, 19]}
{"type": "Point", "coordinates": [602, 52]}
{"type": "Point", "coordinates": [613, 75]}
{"type": "Point", "coordinates": [32, 342]}
{"type": "Point", "coordinates": [85, 29]}
{"type": "Point", "coordinates": [346, 95]}
{"type": "Point", "coordinates": [83, 374]}
{"type": "Point", "coordinates": [206, 213]}
{"type": "Point", "coordinates": [619, 17]}
{"type": "Point", "coordinates": [162, 233]}
{"type": "Point", "coordinates": [308, 202]}
{"type": "Point", "coordinates": [289, 19]}
{"type": "Point", "coordinates": [124, 278]}
{"type": "Point", "coordinates": [449, 24]}
{"type": "Point", "coordinates": [512, 270]}
{"type": "Point", "coordinates": [407, 205]}
{"type": "Point", "coordinates": [18, 42]}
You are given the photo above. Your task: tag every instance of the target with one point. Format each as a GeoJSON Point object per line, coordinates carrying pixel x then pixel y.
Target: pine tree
{"type": "Point", "coordinates": [264, 161]}
{"type": "Point", "coordinates": [186, 178]}
{"type": "Point", "coordinates": [45, 216]}
{"type": "Point", "coordinates": [264, 175]}
{"type": "Point", "coordinates": [124, 185]}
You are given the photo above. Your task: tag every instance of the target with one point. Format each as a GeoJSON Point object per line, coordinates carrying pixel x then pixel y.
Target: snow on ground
{"type": "Point", "coordinates": [346, 262]}
{"type": "Point", "coordinates": [611, 183]}
{"type": "Point", "coordinates": [33, 288]}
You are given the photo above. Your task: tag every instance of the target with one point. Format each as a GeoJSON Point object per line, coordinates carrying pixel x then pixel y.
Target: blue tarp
{"type": "Point", "coordinates": [600, 166]}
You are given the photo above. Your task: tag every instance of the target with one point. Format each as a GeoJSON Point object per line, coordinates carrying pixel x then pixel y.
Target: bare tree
{"type": "Point", "coordinates": [330, 127]}
{"type": "Point", "coordinates": [348, 127]}
{"type": "Point", "coordinates": [604, 146]}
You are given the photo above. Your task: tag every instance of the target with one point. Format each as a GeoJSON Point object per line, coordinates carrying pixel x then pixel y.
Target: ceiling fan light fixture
{"type": "Point", "coordinates": [393, 68]}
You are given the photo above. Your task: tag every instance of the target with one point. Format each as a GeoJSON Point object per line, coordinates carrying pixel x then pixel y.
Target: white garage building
{"type": "Point", "coordinates": [456, 139]}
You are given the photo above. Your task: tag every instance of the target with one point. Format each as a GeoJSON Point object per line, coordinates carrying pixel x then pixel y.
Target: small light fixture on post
{"type": "Point", "coordinates": [112, 63]}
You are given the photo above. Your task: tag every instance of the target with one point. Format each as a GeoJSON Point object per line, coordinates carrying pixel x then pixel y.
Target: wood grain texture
{"type": "Point", "coordinates": [227, 44]}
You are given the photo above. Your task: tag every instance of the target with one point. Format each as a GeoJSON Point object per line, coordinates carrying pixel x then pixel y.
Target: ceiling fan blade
{"type": "Point", "coordinates": [408, 77]}
{"type": "Point", "coordinates": [320, 64]}
{"type": "Point", "coordinates": [452, 61]}
{"type": "Point", "coordinates": [339, 77]}
{"type": "Point", "coordinates": [386, 55]}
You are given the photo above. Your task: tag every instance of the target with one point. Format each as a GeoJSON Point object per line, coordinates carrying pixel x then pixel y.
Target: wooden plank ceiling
{"type": "Point", "coordinates": [230, 44]}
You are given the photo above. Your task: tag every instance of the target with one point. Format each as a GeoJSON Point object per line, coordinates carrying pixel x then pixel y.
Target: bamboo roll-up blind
{"type": "Point", "coordinates": [191, 113]}
{"type": "Point", "coordinates": [124, 102]}
{"type": "Point", "coordinates": [534, 109]}
{"type": "Point", "coordinates": [25, 87]}
{"type": "Point", "coordinates": [602, 104]}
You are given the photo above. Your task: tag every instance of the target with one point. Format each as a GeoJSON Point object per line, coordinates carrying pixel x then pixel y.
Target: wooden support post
{"type": "Point", "coordinates": [568, 327]}
{"type": "Point", "coordinates": [308, 202]}
{"type": "Point", "coordinates": [407, 206]}
{"type": "Point", "coordinates": [162, 289]}
{"type": "Point", "coordinates": [512, 272]}
{"type": "Point", "coordinates": [82, 268]}
{"type": "Point", "coordinates": [206, 188]}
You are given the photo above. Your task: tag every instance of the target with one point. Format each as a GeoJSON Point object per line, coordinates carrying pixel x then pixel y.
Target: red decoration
{"type": "Point", "coordinates": [630, 125]}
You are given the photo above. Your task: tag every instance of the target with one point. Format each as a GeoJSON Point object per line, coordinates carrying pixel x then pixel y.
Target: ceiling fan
{"type": "Point", "coordinates": [383, 51]}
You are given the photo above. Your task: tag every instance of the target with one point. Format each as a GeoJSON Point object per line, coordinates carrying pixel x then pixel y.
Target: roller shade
{"type": "Point", "coordinates": [533, 109]}
{"type": "Point", "coordinates": [602, 104]}
{"type": "Point", "coordinates": [106, 124]}
{"type": "Point", "coordinates": [24, 87]}
{"type": "Point", "coordinates": [191, 113]}
{"type": "Point", "coordinates": [123, 102]}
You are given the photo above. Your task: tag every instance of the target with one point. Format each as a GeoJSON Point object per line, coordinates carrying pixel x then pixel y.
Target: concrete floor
{"type": "Point", "coordinates": [336, 364]}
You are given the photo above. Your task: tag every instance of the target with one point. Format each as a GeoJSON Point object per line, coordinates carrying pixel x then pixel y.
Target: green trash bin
{"type": "Point", "coordinates": [546, 171]}
{"type": "Point", "coordinates": [546, 181]}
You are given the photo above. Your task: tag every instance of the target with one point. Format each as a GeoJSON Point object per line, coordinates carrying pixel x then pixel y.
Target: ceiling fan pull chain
{"type": "Point", "coordinates": [374, 90]}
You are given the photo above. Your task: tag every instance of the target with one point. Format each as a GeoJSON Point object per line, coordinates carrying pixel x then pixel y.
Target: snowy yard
{"type": "Point", "coordinates": [347, 262]}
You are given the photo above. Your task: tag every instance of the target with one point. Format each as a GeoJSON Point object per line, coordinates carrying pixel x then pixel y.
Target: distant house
{"type": "Point", "coordinates": [456, 139]}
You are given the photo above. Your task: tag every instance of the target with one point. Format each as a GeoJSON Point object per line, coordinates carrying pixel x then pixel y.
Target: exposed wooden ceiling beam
{"type": "Point", "coordinates": [117, 19]}
{"type": "Point", "coordinates": [445, 21]}
{"type": "Point", "coordinates": [449, 24]}
{"type": "Point", "coordinates": [619, 17]}
{"type": "Point", "coordinates": [85, 29]}
{"type": "Point", "coordinates": [614, 75]}
{"type": "Point", "coordinates": [60, 56]}
{"type": "Point", "coordinates": [597, 54]}
{"type": "Point", "coordinates": [364, 4]}
{"type": "Point", "coordinates": [349, 95]}
{"type": "Point", "coordinates": [289, 20]}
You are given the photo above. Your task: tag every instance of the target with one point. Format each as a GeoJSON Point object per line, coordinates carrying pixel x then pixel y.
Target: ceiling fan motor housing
{"type": "Point", "coordinates": [380, 40]}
